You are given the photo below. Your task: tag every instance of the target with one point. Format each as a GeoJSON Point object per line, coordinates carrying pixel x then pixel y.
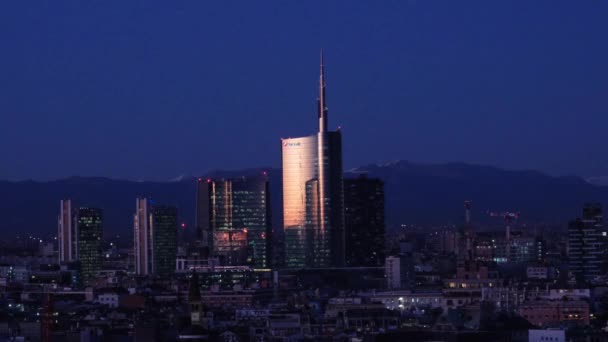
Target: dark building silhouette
{"type": "Point", "coordinates": [89, 228]}
{"type": "Point", "coordinates": [364, 221]}
{"type": "Point", "coordinates": [163, 226]}
{"type": "Point", "coordinates": [586, 244]}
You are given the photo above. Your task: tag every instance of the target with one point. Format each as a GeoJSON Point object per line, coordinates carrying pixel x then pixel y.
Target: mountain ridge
{"type": "Point", "coordinates": [415, 193]}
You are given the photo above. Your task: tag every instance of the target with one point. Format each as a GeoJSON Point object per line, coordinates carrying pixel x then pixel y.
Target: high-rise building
{"type": "Point", "coordinates": [89, 223]}
{"type": "Point", "coordinates": [364, 221]}
{"type": "Point", "coordinates": [163, 226]}
{"type": "Point", "coordinates": [155, 238]}
{"type": "Point", "coordinates": [67, 237]}
{"type": "Point", "coordinates": [313, 195]}
{"type": "Point", "coordinates": [233, 216]}
{"type": "Point", "coordinates": [586, 244]}
{"type": "Point", "coordinates": [141, 238]}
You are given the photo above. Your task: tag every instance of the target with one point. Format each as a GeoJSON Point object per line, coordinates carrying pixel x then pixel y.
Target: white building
{"type": "Point", "coordinates": [109, 299]}
{"type": "Point", "coordinates": [550, 335]}
{"type": "Point", "coordinates": [392, 268]}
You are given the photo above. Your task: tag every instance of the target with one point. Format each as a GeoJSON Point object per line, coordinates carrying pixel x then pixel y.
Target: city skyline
{"type": "Point", "coordinates": [339, 237]}
{"type": "Point", "coordinates": [434, 88]}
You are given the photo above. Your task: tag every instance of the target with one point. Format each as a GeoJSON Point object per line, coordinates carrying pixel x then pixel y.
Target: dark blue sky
{"type": "Point", "coordinates": [154, 89]}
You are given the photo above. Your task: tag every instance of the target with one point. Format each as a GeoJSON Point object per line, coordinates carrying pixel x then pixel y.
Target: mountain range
{"type": "Point", "coordinates": [414, 193]}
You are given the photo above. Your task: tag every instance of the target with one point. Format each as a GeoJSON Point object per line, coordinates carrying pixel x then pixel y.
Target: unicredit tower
{"type": "Point", "coordinates": [313, 195]}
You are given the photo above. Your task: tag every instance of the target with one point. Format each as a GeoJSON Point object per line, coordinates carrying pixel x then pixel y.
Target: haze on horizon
{"type": "Point", "coordinates": [154, 89]}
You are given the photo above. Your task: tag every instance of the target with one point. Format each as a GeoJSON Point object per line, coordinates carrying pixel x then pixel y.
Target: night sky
{"type": "Point", "coordinates": [156, 89]}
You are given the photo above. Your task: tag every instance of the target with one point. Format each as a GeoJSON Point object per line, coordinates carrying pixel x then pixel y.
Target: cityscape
{"type": "Point", "coordinates": [311, 249]}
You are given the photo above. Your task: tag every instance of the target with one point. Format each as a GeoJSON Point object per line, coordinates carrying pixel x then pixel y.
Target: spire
{"type": "Point", "coordinates": [322, 104]}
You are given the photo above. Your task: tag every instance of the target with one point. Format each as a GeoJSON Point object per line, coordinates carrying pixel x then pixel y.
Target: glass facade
{"type": "Point", "coordinates": [89, 223]}
{"type": "Point", "coordinates": [164, 239]}
{"type": "Point", "coordinates": [364, 221]}
{"type": "Point", "coordinates": [313, 195]}
{"type": "Point", "coordinates": [313, 202]}
{"type": "Point", "coordinates": [585, 243]}
{"type": "Point", "coordinates": [233, 216]}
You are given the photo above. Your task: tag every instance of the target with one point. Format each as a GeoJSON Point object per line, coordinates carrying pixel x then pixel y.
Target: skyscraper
{"type": "Point", "coordinates": [313, 198]}
{"type": "Point", "coordinates": [163, 226]}
{"type": "Point", "coordinates": [141, 244]}
{"type": "Point", "coordinates": [364, 221]}
{"type": "Point", "coordinates": [89, 222]}
{"type": "Point", "coordinates": [67, 237]}
{"type": "Point", "coordinates": [233, 216]}
{"type": "Point", "coordinates": [585, 243]}
{"type": "Point", "coordinates": [155, 238]}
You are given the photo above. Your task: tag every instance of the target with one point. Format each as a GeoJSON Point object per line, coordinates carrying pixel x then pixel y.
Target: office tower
{"type": "Point", "coordinates": [233, 216]}
{"type": "Point", "coordinates": [585, 243]}
{"type": "Point", "coordinates": [67, 238]}
{"type": "Point", "coordinates": [155, 238]}
{"type": "Point", "coordinates": [364, 221]}
{"type": "Point", "coordinates": [141, 239]}
{"type": "Point", "coordinates": [313, 198]}
{"type": "Point", "coordinates": [89, 222]}
{"type": "Point", "coordinates": [163, 227]}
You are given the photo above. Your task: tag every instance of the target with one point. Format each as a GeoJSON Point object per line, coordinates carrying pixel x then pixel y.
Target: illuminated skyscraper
{"type": "Point", "coordinates": [67, 237]}
{"type": "Point", "coordinates": [313, 195]}
{"type": "Point", "coordinates": [233, 216]}
{"type": "Point", "coordinates": [155, 238]}
{"type": "Point", "coordinates": [89, 222]}
{"type": "Point", "coordinates": [141, 238]}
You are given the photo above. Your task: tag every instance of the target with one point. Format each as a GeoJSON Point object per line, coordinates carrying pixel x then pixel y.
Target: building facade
{"type": "Point", "coordinates": [67, 237]}
{"type": "Point", "coordinates": [586, 244]}
{"type": "Point", "coordinates": [163, 224]}
{"type": "Point", "coordinates": [234, 219]}
{"type": "Point", "coordinates": [141, 238]}
{"type": "Point", "coordinates": [90, 231]}
{"type": "Point", "coordinates": [313, 195]}
{"type": "Point", "coordinates": [364, 221]}
{"type": "Point", "coordinates": [155, 238]}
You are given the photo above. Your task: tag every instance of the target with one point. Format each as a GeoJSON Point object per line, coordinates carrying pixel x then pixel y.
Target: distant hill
{"type": "Point", "coordinates": [415, 193]}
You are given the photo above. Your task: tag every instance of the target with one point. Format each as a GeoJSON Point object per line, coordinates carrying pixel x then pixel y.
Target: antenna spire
{"type": "Point", "coordinates": [322, 111]}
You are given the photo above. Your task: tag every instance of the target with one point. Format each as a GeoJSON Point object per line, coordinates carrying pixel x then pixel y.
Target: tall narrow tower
{"type": "Point", "coordinates": [313, 194]}
{"type": "Point", "coordinates": [141, 237]}
{"type": "Point", "coordinates": [67, 237]}
{"type": "Point", "coordinates": [321, 101]}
